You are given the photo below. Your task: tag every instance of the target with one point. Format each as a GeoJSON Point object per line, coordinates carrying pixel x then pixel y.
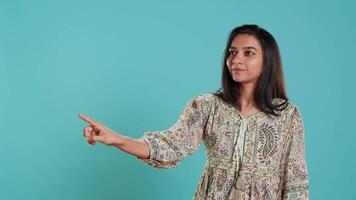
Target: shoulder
{"type": "Point", "coordinates": [203, 100]}
{"type": "Point", "coordinates": [294, 110]}
{"type": "Point", "coordinates": [207, 98]}
{"type": "Point", "coordinates": [293, 113]}
{"type": "Point", "coordinates": [291, 109]}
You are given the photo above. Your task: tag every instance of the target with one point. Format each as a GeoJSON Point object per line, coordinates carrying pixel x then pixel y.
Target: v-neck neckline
{"type": "Point", "coordinates": [232, 110]}
{"type": "Point", "coordinates": [249, 116]}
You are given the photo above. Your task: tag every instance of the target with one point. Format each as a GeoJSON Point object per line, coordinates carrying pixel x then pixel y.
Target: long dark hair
{"type": "Point", "coordinates": [270, 84]}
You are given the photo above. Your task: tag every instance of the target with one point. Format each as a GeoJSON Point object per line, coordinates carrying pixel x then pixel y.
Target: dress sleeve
{"type": "Point", "coordinates": [296, 183]}
{"type": "Point", "coordinates": [169, 147]}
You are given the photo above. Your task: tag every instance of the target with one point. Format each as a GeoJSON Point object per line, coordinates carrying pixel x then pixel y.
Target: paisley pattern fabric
{"type": "Point", "coordinates": [255, 157]}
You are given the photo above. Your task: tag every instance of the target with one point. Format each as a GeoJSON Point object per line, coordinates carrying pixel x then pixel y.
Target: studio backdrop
{"type": "Point", "coordinates": [133, 65]}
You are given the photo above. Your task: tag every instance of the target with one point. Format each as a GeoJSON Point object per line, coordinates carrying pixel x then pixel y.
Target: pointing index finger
{"type": "Point", "coordinates": [92, 122]}
{"type": "Point", "coordinates": [87, 119]}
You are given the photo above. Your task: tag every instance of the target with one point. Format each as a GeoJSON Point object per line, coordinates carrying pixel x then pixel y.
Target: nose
{"type": "Point", "coordinates": [237, 58]}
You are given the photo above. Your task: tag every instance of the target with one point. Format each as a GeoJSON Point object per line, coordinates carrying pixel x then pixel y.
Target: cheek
{"type": "Point", "coordinates": [228, 62]}
{"type": "Point", "coordinates": [255, 67]}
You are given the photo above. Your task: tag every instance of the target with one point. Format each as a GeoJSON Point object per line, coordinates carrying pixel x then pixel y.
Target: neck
{"type": "Point", "coordinates": [247, 96]}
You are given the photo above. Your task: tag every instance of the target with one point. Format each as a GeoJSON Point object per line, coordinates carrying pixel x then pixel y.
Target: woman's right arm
{"type": "Point", "coordinates": [138, 148]}
{"type": "Point", "coordinates": [161, 149]}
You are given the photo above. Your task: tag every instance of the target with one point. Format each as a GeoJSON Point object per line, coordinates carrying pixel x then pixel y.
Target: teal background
{"type": "Point", "coordinates": [133, 65]}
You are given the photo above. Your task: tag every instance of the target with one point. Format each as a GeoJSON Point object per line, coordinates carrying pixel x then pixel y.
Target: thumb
{"type": "Point", "coordinates": [98, 138]}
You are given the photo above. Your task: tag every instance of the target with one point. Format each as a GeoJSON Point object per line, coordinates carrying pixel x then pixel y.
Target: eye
{"type": "Point", "coordinates": [249, 53]}
{"type": "Point", "coordinates": [232, 52]}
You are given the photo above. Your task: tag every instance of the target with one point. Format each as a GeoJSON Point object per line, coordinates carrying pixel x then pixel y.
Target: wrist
{"type": "Point", "coordinates": [118, 141]}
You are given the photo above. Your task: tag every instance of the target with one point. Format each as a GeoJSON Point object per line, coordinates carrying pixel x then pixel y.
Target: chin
{"type": "Point", "coordinates": [238, 80]}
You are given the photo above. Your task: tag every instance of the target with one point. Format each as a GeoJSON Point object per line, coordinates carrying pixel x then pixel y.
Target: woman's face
{"type": "Point", "coordinates": [245, 59]}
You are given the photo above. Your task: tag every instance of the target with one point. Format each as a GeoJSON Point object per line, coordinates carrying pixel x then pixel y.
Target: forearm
{"type": "Point", "coordinates": [138, 148]}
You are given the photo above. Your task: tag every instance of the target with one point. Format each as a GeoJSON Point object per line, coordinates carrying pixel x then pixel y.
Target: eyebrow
{"type": "Point", "coordinates": [245, 48]}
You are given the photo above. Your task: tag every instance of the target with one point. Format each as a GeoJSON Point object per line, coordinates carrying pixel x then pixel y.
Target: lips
{"type": "Point", "coordinates": [238, 70]}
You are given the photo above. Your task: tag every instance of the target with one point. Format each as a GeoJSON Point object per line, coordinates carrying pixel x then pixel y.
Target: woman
{"type": "Point", "coordinates": [254, 136]}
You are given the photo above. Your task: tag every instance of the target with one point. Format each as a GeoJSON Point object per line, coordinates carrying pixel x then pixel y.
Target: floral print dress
{"type": "Point", "coordinates": [255, 157]}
